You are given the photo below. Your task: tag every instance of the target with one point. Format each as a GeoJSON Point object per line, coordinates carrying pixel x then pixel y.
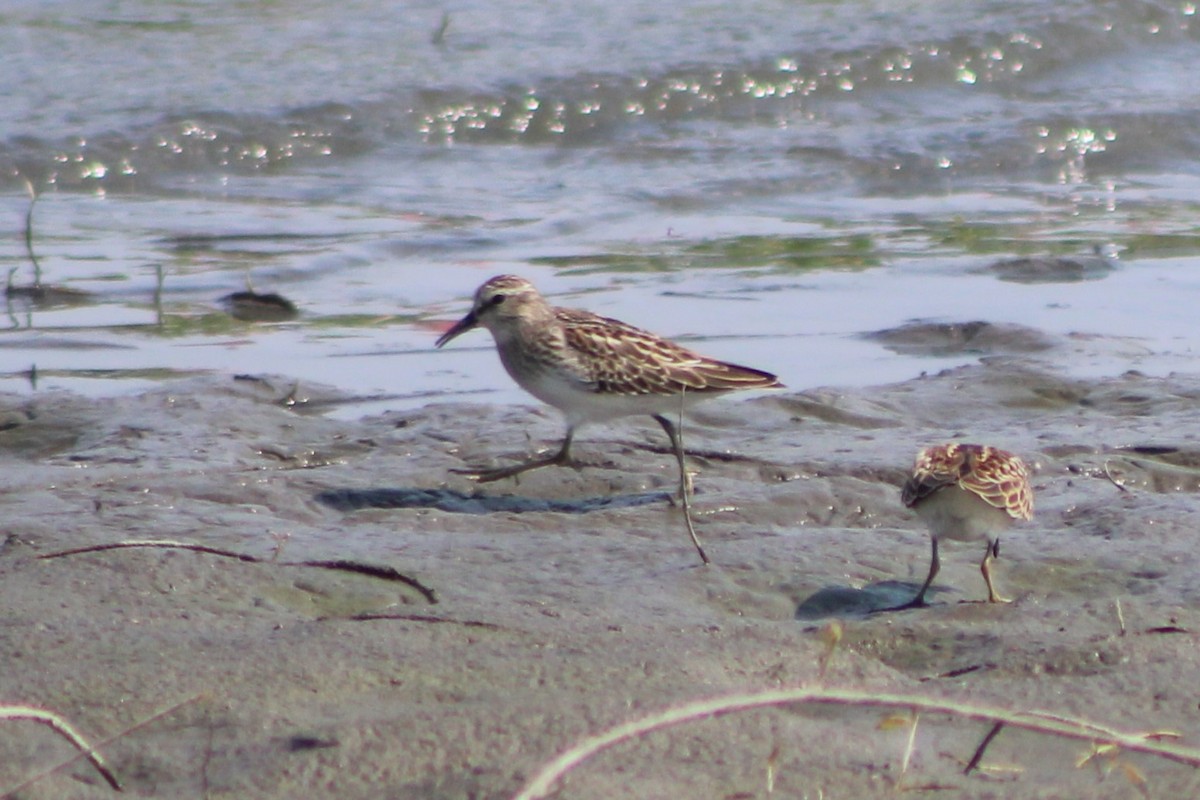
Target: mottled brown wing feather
{"type": "Point", "coordinates": [1001, 479]}
{"type": "Point", "coordinates": [620, 358]}
{"type": "Point", "coordinates": [996, 476]}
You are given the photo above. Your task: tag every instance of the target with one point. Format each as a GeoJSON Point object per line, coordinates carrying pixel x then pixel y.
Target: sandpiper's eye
{"type": "Point", "coordinates": [497, 300]}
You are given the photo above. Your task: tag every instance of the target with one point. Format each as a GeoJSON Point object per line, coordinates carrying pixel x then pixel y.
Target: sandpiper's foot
{"type": "Point", "coordinates": [916, 602]}
{"type": "Point", "coordinates": [560, 459]}
{"type": "Point", "coordinates": [989, 601]}
{"type": "Point", "coordinates": [500, 473]}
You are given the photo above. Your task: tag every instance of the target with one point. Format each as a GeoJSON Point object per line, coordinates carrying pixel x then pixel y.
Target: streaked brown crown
{"type": "Point", "coordinates": [996, 476]}
{"type": "Point", "coordinates": [508, 297]}
{"type": "Point", "coordinates": [504, 284]}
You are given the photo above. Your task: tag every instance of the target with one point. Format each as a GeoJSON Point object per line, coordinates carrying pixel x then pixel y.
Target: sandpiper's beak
{"type": "Point", "coordinates": [462, 326]}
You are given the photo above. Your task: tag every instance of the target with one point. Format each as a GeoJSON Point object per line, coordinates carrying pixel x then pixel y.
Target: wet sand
{"type": "Point", "coordinates": [572, 600]}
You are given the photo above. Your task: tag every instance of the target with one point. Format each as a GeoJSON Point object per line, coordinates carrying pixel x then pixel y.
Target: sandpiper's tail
{"type": "Point", "coordinates": [721, 376]}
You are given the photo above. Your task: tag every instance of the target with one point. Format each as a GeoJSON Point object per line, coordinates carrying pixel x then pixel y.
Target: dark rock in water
{"type": "Point", "coordinates": [42, 295]}
{"type": "Point", "coordinates": [955, 338]}
{"type": "Point", "coordinates": [251, 306]}
{"type": "Point", "coordinates": [1040, 269]}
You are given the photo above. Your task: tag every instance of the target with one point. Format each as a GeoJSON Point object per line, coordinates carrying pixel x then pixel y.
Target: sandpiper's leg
{"type": "Point", "coordinates": [561, 458]}
{"type": "Point", "coordinates": [935, 564]}
{"type": "Point", "coordinates": [685, 482]}
{"type": "Point", "coordinates": [993, 550]}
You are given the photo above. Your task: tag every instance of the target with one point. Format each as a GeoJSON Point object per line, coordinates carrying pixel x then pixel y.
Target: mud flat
{"type": "Point", "coordinates": [573, 601]}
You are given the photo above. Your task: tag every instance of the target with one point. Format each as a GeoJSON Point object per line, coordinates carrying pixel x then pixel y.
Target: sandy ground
{"type": "Point", "coordinates": [572, 600]}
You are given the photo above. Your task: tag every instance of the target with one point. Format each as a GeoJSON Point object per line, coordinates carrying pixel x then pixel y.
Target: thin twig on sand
{"type": "Point", "coordinates": [1108, 474]}
{"type": "Point", "coordinates": [64, 729]}
{"type": "Point", "coordinates": [544, 781]}
{"type": "Point", "coordinates": [373, 617]}
{"type": "Point", "coordinates": [343, 565]}
{"type": "Point", "coordinates": [977, 757]}
{"type": "Point", "coordinates": [92, 750]}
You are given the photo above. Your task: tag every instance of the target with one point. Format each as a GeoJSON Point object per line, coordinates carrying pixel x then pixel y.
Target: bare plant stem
{"type": "Point", "coordinates": [543, 782]}
{"type": "Point", "coordinates": [37, 267]}
{"type": "Point", "coordinates": [64, 729]}
{"type": "Point", "coordinates": [982, 748]}
{"type": "Point", "coordinates": [910, 745]}
{"type": "Point", "coordinates": [92, 750]}
{"type": "Point", "coordinates": [343, 565]}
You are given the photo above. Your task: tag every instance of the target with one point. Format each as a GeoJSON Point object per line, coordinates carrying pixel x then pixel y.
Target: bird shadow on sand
{"type": "Point", "coordinates": [847, 601]}
{"type": "Point", "coordinates": [477, 502]}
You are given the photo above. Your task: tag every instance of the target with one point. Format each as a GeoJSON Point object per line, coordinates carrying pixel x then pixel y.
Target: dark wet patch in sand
{"type": "Point", "coordinates": [477, 502]}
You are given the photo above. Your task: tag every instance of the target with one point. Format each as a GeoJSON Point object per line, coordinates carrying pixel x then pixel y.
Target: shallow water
{"type": "Point", "coordinates": [769, 181]}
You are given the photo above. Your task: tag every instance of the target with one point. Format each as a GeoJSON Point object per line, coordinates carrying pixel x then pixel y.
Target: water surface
{"type": "Point", "coordinates": [769, 181]}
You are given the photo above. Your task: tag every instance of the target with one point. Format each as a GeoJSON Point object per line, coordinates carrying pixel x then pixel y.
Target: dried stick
{"type": "Point", "coordinates": [372, 617]}
{"type": "Point", "coordinates": [983, 746]}
{"type": "Point", "coordinates": [126, 732]}
{"type": "Point", "coordinates": [384, 573]}
{"type": "Point", "coordinates": [64, 729]}
{"type": "Point", "coordinates": [545, 779]}
{"type": "Point", "coordinates": [910, 745]}
{"type": "Point", "coordinates": [166, 543]}
{"type": "Point", "coordinates": [1108, 474]}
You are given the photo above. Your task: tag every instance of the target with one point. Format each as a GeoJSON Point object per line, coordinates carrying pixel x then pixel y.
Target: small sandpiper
{"type": "Point", "coordinates": [593, 368]}
{"type": "Point", "coordinates": [967, 492]}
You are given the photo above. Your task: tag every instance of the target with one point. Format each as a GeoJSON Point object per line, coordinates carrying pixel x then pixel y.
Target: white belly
{"type": "Point", "coordinates": [954, 513]}
{"type": "Point", "coordinates": [579, 403]}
